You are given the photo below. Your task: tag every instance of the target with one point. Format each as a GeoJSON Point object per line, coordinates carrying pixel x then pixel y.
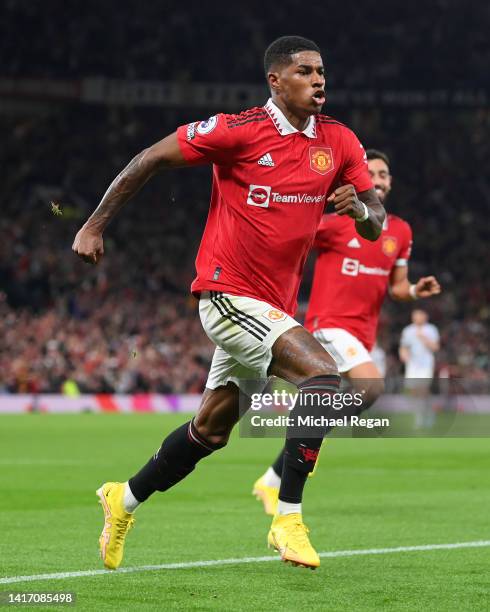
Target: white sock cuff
{"type": "Point", "coordinates": [130, 502]}
{"type": "Point", "coordinates": [271, 479]}
{"type": "Point", "coordinates": [287, 508]}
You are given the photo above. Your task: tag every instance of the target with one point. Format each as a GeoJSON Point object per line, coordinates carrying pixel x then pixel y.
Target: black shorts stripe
{"type": "Point", "coordinates": [231, 316]}
{"type": "Point", "coordinates": [250, 319]}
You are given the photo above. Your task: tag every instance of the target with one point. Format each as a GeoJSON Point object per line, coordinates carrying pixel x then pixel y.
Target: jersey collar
{"type": "Point", "coordinates": [282, 124]}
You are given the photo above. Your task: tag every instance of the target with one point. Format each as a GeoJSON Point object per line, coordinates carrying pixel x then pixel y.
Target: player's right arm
{"type": "Point", "coordinates": [166, 153]}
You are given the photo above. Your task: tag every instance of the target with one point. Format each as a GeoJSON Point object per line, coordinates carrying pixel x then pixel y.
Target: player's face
{"type": "Point", "coordinates": [380, 174]}
{"type": "Point", "coordinates": [301, 84]}
{"type": "Point", "coordinates": [419, 317]}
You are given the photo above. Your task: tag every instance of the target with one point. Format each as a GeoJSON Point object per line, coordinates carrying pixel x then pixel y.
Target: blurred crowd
{"type": "Point", "coordinates": [129, 324]}
{"type": "Point", "coordinates": [163, 40]}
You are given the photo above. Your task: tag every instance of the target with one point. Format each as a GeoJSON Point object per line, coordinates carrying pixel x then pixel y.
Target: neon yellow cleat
{"type": "Point", "coordinates": [289, 536]}
{"type": "Point", "coordinates": [267, 495]}
{"type": "Point", "coordinates": [117, 524]}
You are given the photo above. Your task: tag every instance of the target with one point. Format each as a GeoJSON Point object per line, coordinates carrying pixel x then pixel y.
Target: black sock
{"type": "Point", "coordinates": [278, 463]}
{"type": "Point", "coordinates": [301, 451]}
{"type": "Point", "coordinates": [174, 460]}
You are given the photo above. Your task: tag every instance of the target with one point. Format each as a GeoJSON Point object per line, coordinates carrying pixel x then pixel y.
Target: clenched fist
{"type": "Point", "coordinates": [346, 202]}
{"type": "Point", "coordinates": [427, 286]}
{"type": "Point", "coordinates": [89, 245]}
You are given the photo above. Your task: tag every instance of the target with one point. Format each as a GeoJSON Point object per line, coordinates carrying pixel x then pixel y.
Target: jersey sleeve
{"type": "Point", "coordinates": [405, 247]}
{"type": "Point", "coordinates": [354, 169]}
{"type": "Point", "coordinates": [209, 141]}
{"type": "Point", "coordinates": [405, 339]}
{"type": "Point", "coordinates": [323, 233]}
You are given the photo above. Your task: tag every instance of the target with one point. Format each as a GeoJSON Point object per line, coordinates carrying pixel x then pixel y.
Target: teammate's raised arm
{"type": "Point", "coordinates": [166, 153]}
{"type": "Point", "coordinates": [364, 207]}
{"type": "Point", "coordinates": [403, 291]}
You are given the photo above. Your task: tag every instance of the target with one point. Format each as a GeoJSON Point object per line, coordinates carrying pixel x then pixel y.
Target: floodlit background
{"type": "Point", "coordinates": [86, 86]}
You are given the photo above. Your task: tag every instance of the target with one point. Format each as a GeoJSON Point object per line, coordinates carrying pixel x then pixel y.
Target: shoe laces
{"type": "Point", "coordinates": [122, 528]}
{"type": "Point", "coordinates": [300, 532]}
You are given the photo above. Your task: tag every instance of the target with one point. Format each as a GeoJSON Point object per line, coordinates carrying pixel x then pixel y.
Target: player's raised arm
{"type": "Point", "coordinates": [402, 290]}
{"type": "Point", "coordinates": [166, 153]}
{"type": "Point", "coordinates": [364, 207]}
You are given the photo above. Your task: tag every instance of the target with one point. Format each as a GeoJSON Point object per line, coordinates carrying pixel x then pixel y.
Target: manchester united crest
{"type": "Point", "coordinates": [389, 245]}
{"type": "Point", "coordinates": [321, 159]}
{"type": "Point", "coordinates": [274, 315]}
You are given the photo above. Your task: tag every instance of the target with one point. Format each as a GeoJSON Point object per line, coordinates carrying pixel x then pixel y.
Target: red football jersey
{"type": "Point", "coordinates": [352, 274]}
{"type": "Point", "coordinates": [270, 184]}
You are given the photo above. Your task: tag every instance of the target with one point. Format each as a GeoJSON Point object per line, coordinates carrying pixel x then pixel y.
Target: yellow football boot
{"type": "Point", "coordinates": [267, 495]}
{"type": "Point", "coordinates": [289, 536]}
{"type": "Point", "coordinates": [117, 524]}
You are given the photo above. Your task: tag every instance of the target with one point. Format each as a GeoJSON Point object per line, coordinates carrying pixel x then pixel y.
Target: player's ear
{"type": "Point", "coordinates": [274, 81]}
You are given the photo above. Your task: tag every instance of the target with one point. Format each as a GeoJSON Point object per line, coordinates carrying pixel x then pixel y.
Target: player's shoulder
{"type": "Point", "coordinates": [396, 223]}
{"type": "Point", "coordinates": [322, 119]}
{"type": "Point", "coordinates": [330, 125]}
{"type": "Point", "coordinates": [250, 116]}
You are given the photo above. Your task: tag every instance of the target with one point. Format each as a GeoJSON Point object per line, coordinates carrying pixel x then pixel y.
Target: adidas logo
{"type": "Point", "coordinates": [266, 160]}
{"type": "Point", "coordinates": [354, 244]}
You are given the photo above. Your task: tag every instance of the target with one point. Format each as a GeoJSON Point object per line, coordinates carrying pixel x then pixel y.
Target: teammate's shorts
{"type": "Point", "coordinates": [244, 330]}
{"type": "Point", "coordinates": [345, 348]}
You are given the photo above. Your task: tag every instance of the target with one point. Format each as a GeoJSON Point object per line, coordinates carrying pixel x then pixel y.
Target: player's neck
{"type": "Point", "coordinates": [300, 123]}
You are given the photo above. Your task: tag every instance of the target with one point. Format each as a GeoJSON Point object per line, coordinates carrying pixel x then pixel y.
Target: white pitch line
{"type": "Point", "coordinates": [238, 561]}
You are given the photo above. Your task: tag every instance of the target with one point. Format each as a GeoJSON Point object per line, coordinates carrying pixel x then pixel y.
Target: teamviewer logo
{"type": "Point", "coordinates": [350, 266]}
{"type": "Point", "coordinates": [259, 195]}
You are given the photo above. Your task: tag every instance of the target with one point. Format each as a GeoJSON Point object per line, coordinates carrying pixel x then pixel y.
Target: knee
{"type": "Point", "coordinates": [217, 436]}
{"type": "Point", "coordinates": [372, 391]}
{"type": "Point", "coordinates": [319, 368]}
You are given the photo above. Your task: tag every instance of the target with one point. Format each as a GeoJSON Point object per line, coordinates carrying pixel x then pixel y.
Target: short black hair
{"type": "Point", "coordinates": [279, 52]}
{"type": "Point", "coordinates": [375, 154]}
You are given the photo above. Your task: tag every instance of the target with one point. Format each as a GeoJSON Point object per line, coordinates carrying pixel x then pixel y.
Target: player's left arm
{"type": "Point", "coordinates": [402, 290]}
{"type": "Point", "coordinates": [356, 197]}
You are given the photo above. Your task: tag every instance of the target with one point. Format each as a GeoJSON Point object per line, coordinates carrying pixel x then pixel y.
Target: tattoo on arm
{"type": "Point", "coordinates": [371, 228]}
{"type": "Point", "coordinates": [126, 184]}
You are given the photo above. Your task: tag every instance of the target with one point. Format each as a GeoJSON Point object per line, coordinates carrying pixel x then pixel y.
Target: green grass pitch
{"type": "Point", "coordinates": [368, 493]}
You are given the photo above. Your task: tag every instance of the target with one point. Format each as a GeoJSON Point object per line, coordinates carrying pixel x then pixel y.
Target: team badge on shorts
{"type": "Point", "coordinates": [273, 315]}
{"type": "Point", "coordinates": [351, 351]}
{"type": "Point", "coordinates": [389, 245]}
{"type": "Point", "coordinates": [321, 159]}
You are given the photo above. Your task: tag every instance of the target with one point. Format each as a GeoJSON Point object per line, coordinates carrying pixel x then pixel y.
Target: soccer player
{"type": "Point", "coordinates": [350, 282]}
{"type": "Point", "coordinates": [274, 168]}
{"type": "Point", "coordinates": [419, 342]}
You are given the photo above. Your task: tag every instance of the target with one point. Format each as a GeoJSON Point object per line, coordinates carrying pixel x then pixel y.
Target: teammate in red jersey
{"type": "Point", "coordinates": [351, 278]}
{"type": "Point", "coordinates": [273, 168]}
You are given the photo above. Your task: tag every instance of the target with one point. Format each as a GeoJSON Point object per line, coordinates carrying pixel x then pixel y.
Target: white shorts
{"type": "Point", "coordinates": [347, 351]}
{"type": "Point", "coordinates": [244, 330]}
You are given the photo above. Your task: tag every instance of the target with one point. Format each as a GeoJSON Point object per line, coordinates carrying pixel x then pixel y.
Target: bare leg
{"type": "Point", "coordinates": [218, 413]}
